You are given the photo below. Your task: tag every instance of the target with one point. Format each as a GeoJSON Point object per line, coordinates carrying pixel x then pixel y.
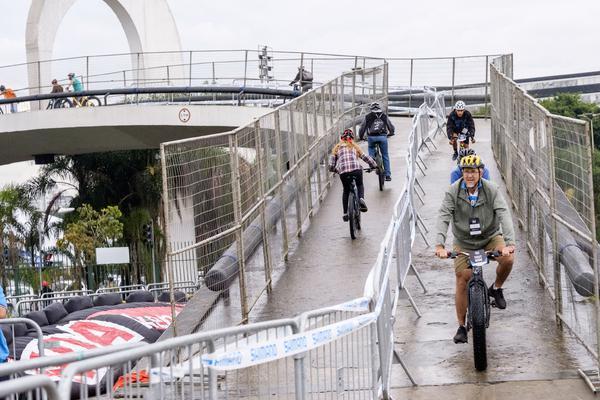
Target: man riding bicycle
{"type": "Point", "coordinates": [378, 127]}
{"type": "Point", "coordinates": [344, 161]}
{"type": "Point", "coordinates": [480, 220]}
{"type": "Point", "coordinates": [459, 119]}
{"type": "Point", "coordinates": [456, 173]}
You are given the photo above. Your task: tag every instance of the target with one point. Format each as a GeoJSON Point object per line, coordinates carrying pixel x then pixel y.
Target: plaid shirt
{"type": "Point", "coordinates": [344, 159]}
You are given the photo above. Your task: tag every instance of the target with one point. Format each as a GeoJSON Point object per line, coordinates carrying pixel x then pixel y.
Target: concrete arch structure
{"type": "Point", "coordinates": [148, 25]}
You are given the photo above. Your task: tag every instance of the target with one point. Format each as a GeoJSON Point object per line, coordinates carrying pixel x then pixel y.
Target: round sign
{"type": "Point", "coordinates": [184, 115]}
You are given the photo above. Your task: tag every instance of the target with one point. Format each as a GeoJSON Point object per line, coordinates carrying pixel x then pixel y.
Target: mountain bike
{"type": "Point", "coordinates": [59, 103]}
{"type": "Point", "coordinates": [354, 207]}
{"type": "Point", "coordinates": [83, 101]}
{"type": "Point", "coordinates": [478, 309]}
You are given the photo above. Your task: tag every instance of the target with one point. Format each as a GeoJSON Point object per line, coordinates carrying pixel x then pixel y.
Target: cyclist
{"type": "Point", "coordinates": [378, 127]}
{"type": "Point", "coordinates": [304, 79]}
{"type": "Point", "coordinates": [76, 86]}
{"type": "Point", "coordinates": [459, 119]}
{"type": "Point", "coordinates": [480, 220]}
{"type": "Point", "coordinates": [344, 161]}
{"type": "Point", "coordinates": [456, 173]}
{"type": "Point", "coordinates": [8, 93]}
{"type": "Point", "coordinates": [56, 88]}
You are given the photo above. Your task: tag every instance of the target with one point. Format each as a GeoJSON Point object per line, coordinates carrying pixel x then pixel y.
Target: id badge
{"type": "Point", "coordinates": [474, 226]}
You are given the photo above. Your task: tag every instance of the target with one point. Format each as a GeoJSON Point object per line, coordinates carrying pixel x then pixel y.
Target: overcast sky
{"type": "Point", "coordinates": [546, 36]}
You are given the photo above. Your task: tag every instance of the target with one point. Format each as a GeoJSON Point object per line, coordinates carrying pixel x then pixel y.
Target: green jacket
{"type": "Point", "coordinates": [491, 209]}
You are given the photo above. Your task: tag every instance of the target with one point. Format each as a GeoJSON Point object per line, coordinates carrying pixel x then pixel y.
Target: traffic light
{"type": "Point", "coordinates": [148, 234]}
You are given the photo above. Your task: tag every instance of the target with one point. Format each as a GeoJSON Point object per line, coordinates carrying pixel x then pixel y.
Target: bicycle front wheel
{"type": "Point", "coordinates": [478, 322]}
{"type": "Point", "coordinates": [352, 211]}
{"type": "Point", "coordinates": [93, 101]}
{"type": "Point", "coordinates": [63, 103]}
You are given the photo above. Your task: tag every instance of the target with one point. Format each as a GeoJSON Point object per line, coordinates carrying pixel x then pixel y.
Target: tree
{"type": "Point", "coordinates": [91, 229]}
{"type": "Point", "coordinates": [571, 105]}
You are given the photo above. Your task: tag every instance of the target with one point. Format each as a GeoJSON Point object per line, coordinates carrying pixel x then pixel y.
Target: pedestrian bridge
{"type": "Point", "coordinates": [372, 317]}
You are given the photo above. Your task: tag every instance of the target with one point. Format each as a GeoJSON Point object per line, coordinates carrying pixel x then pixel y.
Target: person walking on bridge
{"type": "Point", "coordinates": [304, 78]}
{"type": "Point", "coordinates": [8, 93]}
{"type": "Point", "coordinates": [480, 220]}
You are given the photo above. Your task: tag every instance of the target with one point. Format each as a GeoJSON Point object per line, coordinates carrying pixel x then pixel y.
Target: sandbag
{"type": "Point", "coordinates": [39, 317]}
{"type": "Point", "coordinates": [78, 303]}
{"type": "Point", "coordinates": [140, 296]}
{"type": "Point", "coordinates": [108, 299]}
{"type": "Point", "coordinates": [178, 295]}
{"type": "Point", "coordinates": [55, 312]}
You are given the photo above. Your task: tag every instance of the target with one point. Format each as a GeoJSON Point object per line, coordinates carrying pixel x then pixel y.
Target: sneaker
{"type": "Point", "coordinates": [345, 217]}
{"type": "Point", "coordinates": [461, 335]}
{"type": "Point", "coordinates": [388, 178]}
{"type": "Point", "coordinates": [454, 156]}
{"type": "Point", "coordinates": [498, 297]}
{"type": "Point", "coordinates": [363, 205]}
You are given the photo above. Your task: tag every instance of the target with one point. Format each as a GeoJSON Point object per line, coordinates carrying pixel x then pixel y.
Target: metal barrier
{"type": "Point", "coordinates": [228, 191]}
{"type": "Point", "coordinates": [28, 322]}
{"type": "Point", "coordinates": [66, 293]}
{"type": "Point", "coordinates": [29, 387]}
{"type": "Point", "coordinates": [121, 289]}
{"type": "Point", "coordinates": [546, 161]}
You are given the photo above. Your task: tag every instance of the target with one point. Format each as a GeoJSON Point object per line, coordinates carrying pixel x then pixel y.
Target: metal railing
{"type": "Point", "coordinates": [546, 161]}
{"type": "Point", "coordinates": [227, 191]}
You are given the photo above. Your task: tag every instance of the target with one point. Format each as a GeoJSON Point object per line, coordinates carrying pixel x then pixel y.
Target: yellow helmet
{"type": "Point", "coordinates": [471, 161]}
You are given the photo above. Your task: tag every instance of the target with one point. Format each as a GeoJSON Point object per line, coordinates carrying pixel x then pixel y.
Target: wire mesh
{"type": "Point", "coordinates": [546, 162]}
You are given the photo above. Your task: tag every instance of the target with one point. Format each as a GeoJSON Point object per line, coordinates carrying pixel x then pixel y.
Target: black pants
{"type": "Point", "coordinates": [346, 180]}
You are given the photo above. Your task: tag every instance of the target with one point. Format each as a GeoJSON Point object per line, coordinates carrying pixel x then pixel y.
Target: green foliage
{"type": "Point", "coordinates": [482, 112]}
{"type": "Point", "coordinates": [571, 105]}
{"type": "Point", "coordinates": [92, 229]}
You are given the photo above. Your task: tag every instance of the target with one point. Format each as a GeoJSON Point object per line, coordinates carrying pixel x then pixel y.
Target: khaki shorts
{"type": "Point", "coordinates": [461, 262]}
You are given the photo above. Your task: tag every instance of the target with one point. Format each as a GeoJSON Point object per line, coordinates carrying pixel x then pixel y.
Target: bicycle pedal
{"type": "Point", "coordinates": [493, 303]}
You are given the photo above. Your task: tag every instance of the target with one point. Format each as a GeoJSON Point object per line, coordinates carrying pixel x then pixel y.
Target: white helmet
{"type": "Point", "coordinates": [460, 105]}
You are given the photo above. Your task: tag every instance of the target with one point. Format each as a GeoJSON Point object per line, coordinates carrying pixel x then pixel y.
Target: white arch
{"type": "Point", "coordinates": [149, 27]}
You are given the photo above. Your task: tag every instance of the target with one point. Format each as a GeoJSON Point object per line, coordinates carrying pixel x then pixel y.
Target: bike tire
{"type": "Point", "coordinates": [93, 101]}
{"type": "Point", "coordinates": [380, 171]}
{"type": "Point", "coordinates": [357, 213]}
{"type": "Point", "coordinates": [478, 324]}
{"type": "Point", "coordinates": [352, 215]}
{"type": "Point", "coordinates": [381, 177]}
{"type": "Point", "coordinates": [65, 103]}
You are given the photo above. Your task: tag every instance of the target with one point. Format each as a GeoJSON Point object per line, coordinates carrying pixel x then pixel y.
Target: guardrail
{"type": "Point", "coordinates": [547, 163]}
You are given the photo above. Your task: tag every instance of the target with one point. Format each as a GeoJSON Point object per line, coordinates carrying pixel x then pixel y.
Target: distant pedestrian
{"type": "Point", "coordinates": [9, 94]}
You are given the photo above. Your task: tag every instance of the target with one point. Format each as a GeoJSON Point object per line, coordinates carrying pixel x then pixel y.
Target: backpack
{"type": "Point", "coordinates": [307, 75]}
{"type": "Point", "coordinates": [377, 126]}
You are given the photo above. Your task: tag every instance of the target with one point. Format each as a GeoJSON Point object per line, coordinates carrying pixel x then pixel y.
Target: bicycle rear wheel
{"type": "Point", "coordinates": [380, 170]}
{"type": "Point", "coordinates": [478, 322]}
{"type": "Point", "coordinates": [352, 211]}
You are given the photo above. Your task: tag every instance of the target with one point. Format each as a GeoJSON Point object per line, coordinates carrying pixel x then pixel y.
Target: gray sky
{"type": "Point", "coordinates": [546, 36]}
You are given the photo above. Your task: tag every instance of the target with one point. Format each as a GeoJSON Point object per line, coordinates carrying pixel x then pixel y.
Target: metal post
{"type": "Point", "coordinates": [318, 139]}
{"type": "Point", "coordinates": [87, 72]}
{"type": "Point", "coordinates": [307, 160]}
{"type": "Point", "coordinates": [553, 208]}
{"type": "Point", "coordinates": [245, 67]}
{"type": "Point", "coordinates": [265, 233]}
{"type": "Point", "coordinates": [294, 145]}
{"type": "Point", "coordinates": [281, 191]}
{"type": "Point", "coordinates": [39, 71]}
{"type": "Point", "coordinates": [168, 76]}
{"type": "Point", "coordinates": [137, 70]}
{"type": "Point", "coordinates": [410, 85]}
{"type": "Point", "coordinates": [124, 79]}
{"type": "Point", "coordinates": [167, 263]}
{"type": "Point", "coordinates": [354, 100]}
{"type": "Point", "coordinates": [190, 70]}
{"type": "Point", "coordinates": [154, 280]}
{"type": "Point", "coordinates": [235, 187]}
{"type": "Point", "coordinates": [213, 73]}
{"type": "Point", "coordinates": [487, 79]}
{"type": "Point", "coordinates": [453, 77]}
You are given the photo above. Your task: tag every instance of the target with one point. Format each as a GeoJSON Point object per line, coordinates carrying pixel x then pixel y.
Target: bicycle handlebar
{"type": "Point", "coordinates": [492, 254]}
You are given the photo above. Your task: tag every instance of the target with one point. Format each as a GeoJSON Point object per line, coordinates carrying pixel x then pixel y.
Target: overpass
{"type": "Point", "coordinates": [307, 263]}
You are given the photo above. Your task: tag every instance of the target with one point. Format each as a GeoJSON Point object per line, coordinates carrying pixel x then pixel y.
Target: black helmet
{"type": "Point", "coordinates": [71, 74]}
{"type": "Point", "coordinates": [463, 153]}
{"type": "Point", "coordinates": [375, 107]}
{"type": "Point", "coordinates": [2, 88]}
{"type": "Point", "coordinates": [348, 134]}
